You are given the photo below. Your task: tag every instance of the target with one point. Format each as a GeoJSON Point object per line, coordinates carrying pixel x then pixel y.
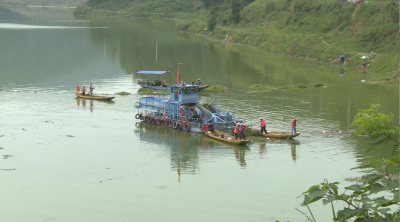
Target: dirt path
{"type": "Point", "coordinates": [354, 13]}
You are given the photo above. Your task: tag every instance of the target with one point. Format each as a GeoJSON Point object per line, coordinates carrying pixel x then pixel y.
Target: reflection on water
{"type": "Point", "coordinates": [185, 148]}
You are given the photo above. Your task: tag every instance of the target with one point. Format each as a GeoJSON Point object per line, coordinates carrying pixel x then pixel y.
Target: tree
{"type": "Point", "coordinates": [363, 205]}
{"type": "Point", "coordinates": [212, 22]}
{"type": "Point", "coordinates": [235, 16]}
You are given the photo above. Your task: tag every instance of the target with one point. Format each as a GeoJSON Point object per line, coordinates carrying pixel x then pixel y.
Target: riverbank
{"type": "Point", "coordinates": [312, 30]}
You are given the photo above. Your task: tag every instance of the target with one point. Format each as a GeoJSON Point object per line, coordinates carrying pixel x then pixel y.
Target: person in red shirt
{"type": "Point", "coordinates": [293, 125]}
{"type": "Point", "coordinates": [262, 125]}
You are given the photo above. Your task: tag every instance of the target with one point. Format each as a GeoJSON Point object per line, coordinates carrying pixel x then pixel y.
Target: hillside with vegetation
{"type": "Point", "coordinates": [311, 29]}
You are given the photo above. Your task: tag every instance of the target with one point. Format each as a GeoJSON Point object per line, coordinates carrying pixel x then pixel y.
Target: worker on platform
{"type": "Point", "coordinates": [198, 81]}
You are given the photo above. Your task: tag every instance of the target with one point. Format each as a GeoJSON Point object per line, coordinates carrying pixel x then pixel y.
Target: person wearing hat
{"type": "Point", "coordinates": [198, 81]}
{"type": "Point", "coordinates": [164, 84]}
{"type": "Point", "coordinates": [83, 89]}
{"type": "Point", "coordinates": [236, 130]}
{"type": "Point", "coordinates": [293, 125]}
{"type": "Point", "coordinates": [263, 123]}
{"type": "Point", "coordinates": [242, 129]}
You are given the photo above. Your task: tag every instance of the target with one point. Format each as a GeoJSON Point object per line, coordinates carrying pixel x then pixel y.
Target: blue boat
{"type": "Point", "coordinates": [182, 111]}
{"type": "Point", "coordinates": [157, 84]}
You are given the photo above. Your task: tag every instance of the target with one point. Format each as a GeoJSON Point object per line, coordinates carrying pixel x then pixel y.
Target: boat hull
{"type": "Point", "coordinates": [141, 84]}
{"type": "Point", "coordinates": [94, 97]}
{"type": "Point", "coordinates": [274, 134]}
{"type": "Point", "coordinates": [227, 138]}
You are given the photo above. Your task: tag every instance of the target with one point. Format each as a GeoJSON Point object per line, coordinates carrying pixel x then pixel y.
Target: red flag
{"type": "Point", "coordinates": [77, 88]}
{"type": "Point", "coordinates": [178, 78]}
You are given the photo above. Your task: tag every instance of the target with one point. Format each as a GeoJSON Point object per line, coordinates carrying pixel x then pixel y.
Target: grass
{"type": "Point", "coordinates": [123, 93]}
{"type": "Point", "coordinates": [301, 86]}
{"type": "Point", "coordinates": [259, 87]}
{"type": "Point", "coordinates": [285, 87]}
{"type": "Point", "coordinates": [217, 89]}
{"type": "Point", "coordinates": [145, 91]}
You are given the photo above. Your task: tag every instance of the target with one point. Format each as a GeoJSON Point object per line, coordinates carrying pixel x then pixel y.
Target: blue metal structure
{"type": "Point", "coordinates": [183, 111]}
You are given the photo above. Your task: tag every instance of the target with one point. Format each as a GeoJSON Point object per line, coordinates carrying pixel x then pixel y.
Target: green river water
{"type": "Point", "coordinates": [64, 159]}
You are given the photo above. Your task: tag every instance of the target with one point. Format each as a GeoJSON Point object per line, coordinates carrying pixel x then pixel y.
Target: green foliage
{"type": "Point", "coordinates": [377, 197]}
{"type": "Point", "coordinates": [259, 87]}
{"type": "Point", "coordinates": [301, 86]}
{"type": "Point", "coordinates": [376, 125]}
{"type": "Point", "coordinates": [212, 22]}
{"type": "Point", "coordinates": [235, 16]}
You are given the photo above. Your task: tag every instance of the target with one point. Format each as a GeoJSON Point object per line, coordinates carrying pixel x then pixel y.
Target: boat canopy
{"type": "Point", "coordinates": [152, 72]}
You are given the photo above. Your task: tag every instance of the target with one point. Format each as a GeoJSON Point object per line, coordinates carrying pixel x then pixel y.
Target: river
{"type": "Point", "coordinates": [64, 159]}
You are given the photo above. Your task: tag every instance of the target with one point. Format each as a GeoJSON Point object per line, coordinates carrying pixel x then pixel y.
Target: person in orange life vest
{"type": "Point", "coordinates": [83, 89]}
{"type": "Point", "coordinates": [262, 125]}
{"type": "Point", "coordinates": [181, 112]}
{"type": "Point", "coordinates": [205, 127]}
{"type": "Point", "coordinates": [242, 129]}
{"type": "Point", "coordinates": [236, 130]}
{"type": "Point", "coordinates": [293, 125]}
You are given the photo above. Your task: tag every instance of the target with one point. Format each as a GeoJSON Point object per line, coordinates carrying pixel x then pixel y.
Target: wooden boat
{"type": "Point", "coordinates": [93, 97]}
{"type": "Point", "coordinates": [158, 84]}
{"type": "Point", "coordinates": [219, 135]}
{"type": "Point", "coordinates": [165, 87]}
{"type": "Point", "coordinates": [273, 134]}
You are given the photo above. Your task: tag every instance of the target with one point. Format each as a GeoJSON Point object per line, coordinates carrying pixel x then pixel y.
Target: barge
{"type": "Point", "coordinates": [182, 111]}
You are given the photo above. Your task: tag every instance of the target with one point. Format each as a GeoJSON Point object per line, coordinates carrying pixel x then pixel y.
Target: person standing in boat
{"type": "Point", "coordinates": [78, 89]}
{"type": "Point", "coordinates": [242, 129]}
{"type": "Point", "coordinates": [91, 89]}
{"type": "Point", "coordinates": [293, 125]}
{"type": "Point", "coordinates": [198, 81]}
{"type": "Point", "coordinates": [83, 89]}
{"type": "Point", "coordinates": [263, 123]}
{"type": "Point", "coordinates": [236, 130]}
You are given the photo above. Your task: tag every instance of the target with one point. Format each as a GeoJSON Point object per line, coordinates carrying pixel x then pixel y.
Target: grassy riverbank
{"type": "Point", "coordinates": [309, 29]}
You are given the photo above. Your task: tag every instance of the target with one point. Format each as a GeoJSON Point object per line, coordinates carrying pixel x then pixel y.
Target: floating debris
{"type": "Point", "coordinates": [7, 156]}
{"type": "Point", "coordinates": [69, 136]}
{"type": "Point", "coordinates": [217, 88]}
{"type": "Point", "coordinates": [7, 169]}
{"type": "Point", "coordinates": [123, 93]}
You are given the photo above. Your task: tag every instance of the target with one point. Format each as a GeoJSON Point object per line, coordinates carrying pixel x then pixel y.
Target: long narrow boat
{"type": "Point", "coordinates": [273, 134]}
{"type": "Point", "coordinates": [158, 84]}
{"type": "Point", "coordinates": [219, 135]}
{"type": "Point", "coordinates": [93, 97]}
